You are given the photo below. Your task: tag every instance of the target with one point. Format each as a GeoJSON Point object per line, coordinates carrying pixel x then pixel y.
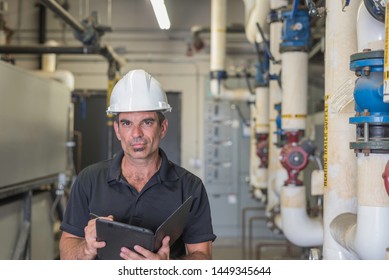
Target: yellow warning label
{"type": "Point", "coordinates": [386, 65]}
{"type": "Point", "coordinates": [296, 116]}
{"type": "Point", "coordinates": [325, 156]}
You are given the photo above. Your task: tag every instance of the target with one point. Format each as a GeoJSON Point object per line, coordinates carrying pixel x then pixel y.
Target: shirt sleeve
{"type": "Point", "coordinates": [77, 211]}
{"type": "Point", "coordinates": [199, 226]}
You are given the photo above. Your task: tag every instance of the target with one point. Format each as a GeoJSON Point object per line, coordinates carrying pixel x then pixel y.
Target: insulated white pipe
{"type": "Point", "coordinates": [218, 54]}
{"type": "Point", "coordinates": [63, 76]}
{"type": "Point", "coordinates": [366, 234]}
{"type": "Point", "coordinates": [218, 35]}
{"type": "Point", "coordinates": [339, 160]}
{"type": "Point", "coordinates": [219, 90]}
{"type": "Point", "coordinates": [276, 4]}
{"type": "Point", "coordinates": [260, 119]}
{"type": "Point", "coordinates": [276, 173]}
{"type": "Point", "coordinates": [262, 107]}
{"type": "Point", "coordinates": [294, 90]}
{"type": "Point", "coordinates": [256, 12]}
{"type": "Point", "coordinates": [370, 32]}
{"type": "Point", "coordinates": [297, 226]}
{"type": "Point", "coordinates": [49, 61]}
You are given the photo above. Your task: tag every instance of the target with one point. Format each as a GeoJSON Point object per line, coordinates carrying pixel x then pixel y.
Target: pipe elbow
{"type": "Point", "coordinates": [256, 13]}
{"type": "Point", "coordinates": [220, 91]}
{"type": "Point", "coordinates": [298, 227]}
{"type": "Point", "coordinates": [342, 229]}
{"type": "Point", "coordinates": [63, 76]}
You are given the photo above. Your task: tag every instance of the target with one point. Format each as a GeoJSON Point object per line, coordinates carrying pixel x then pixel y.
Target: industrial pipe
{"type": "Point", "coordinates": [49, 69]}
{"type": "Point", "coordinates": [42, 49]}
{"type": "Point", "coordinates": [276, 173]}
{"type": "Point", "coordinates": [370, 32]}
{"type": "Point", "coordinates": [63, 14]}
{"type": "Point", "coordinates": [339, 162]}
{"type": "Point", "coordinates": [366, 233]}
{"type": "Point", "coordinates": [297, 226]}
{"type": "Point", "coordinates": [256, 11]}
{"type": "Point", "coordinates": [105, 50]}
{"type": "Point", "coordinates": [218, 55]}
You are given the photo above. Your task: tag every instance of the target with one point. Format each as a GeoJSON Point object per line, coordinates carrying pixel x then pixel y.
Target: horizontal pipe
{"type": "Point", "coordinates": [105, 51]}
{"type": "Point", "coordinates": [62, 13]}
{"type": "Point", "coordinates": [37, 49]}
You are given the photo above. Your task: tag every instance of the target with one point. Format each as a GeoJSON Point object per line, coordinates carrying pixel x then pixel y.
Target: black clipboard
{"type": "Point", "coordinates": [118, 235]}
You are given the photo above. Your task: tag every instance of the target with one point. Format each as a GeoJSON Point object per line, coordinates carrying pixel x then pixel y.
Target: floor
{"type": "Point", "coordinates": [232, 249]}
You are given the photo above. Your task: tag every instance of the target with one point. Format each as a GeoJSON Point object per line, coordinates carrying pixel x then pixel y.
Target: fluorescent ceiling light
{"type": "Point", "coordinates": [161, 13]}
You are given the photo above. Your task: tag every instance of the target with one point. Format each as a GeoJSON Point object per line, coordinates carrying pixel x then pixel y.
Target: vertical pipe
{"type": "Point", "coordinates": [42, 30]}
{"type": "Point", "coordinates": [294, 87]}
{"type": "Point", "coordinates": [372, 229]}
{"type": "Point", "coordinates": [218, 35]}
{"type": "Point", "coordinates": [339, 161]}
{"type": "Point", "coordinates": [260, 119]}
{"type": "Point", "coordinates": [276, 173]}
{"type": "Point", "coordinates": [386, 59]}
{"type": "Point", "coordinates": [109, 12]}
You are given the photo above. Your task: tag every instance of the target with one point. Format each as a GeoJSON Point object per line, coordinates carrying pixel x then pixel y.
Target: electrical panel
{"type": "Point", "coordinates": [221, 129]}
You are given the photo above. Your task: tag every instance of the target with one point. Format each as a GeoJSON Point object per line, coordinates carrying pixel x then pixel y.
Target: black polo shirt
{"type": "Point", "coordinates": [101, 189]}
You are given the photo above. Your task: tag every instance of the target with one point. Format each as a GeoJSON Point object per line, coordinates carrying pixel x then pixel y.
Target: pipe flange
{"type": "Point", "coordinates": [373, 59]}
{"type": "Point", "coordinates": [376, 147]}
{"type": "Point", "coordinates": [367, 55]}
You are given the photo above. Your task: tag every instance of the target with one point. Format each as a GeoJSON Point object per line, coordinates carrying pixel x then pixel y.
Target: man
{"type": "Point", "coordinates": [139, 185]}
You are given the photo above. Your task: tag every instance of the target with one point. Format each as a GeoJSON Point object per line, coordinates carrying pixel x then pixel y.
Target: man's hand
{"type": "Point", "coordinates": [92, 244]}
{"type": "Point", "coordinates": [144, 254]}
{"type": "Point", "coordinates": [73, 247]}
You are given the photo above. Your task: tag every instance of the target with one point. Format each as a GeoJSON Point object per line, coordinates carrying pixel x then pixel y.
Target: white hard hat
{"type": "Point", "coordinates": [138, 91]}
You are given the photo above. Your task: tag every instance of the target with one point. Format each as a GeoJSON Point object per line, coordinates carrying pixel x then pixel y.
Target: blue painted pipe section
{"type": "Point", "coordinates": [277, 107]}
{"type": "Point", "coordinates": [262, 75]}
{"type": "Point", "coordinates": [296, 29]}
{"type": "Point", "coordinates": [368, 94]}
{"type": "Point", "coordinates": [368, 91]}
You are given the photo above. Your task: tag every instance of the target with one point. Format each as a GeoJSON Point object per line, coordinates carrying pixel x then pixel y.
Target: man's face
{"type": "Point", "coordinates": [140, 133]}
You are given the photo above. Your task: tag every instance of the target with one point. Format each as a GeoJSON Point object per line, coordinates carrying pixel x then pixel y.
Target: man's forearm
{"type": "Point", "coordinates": [196, 256]}
{"type": "Point", "coordinates": [72, 248]}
